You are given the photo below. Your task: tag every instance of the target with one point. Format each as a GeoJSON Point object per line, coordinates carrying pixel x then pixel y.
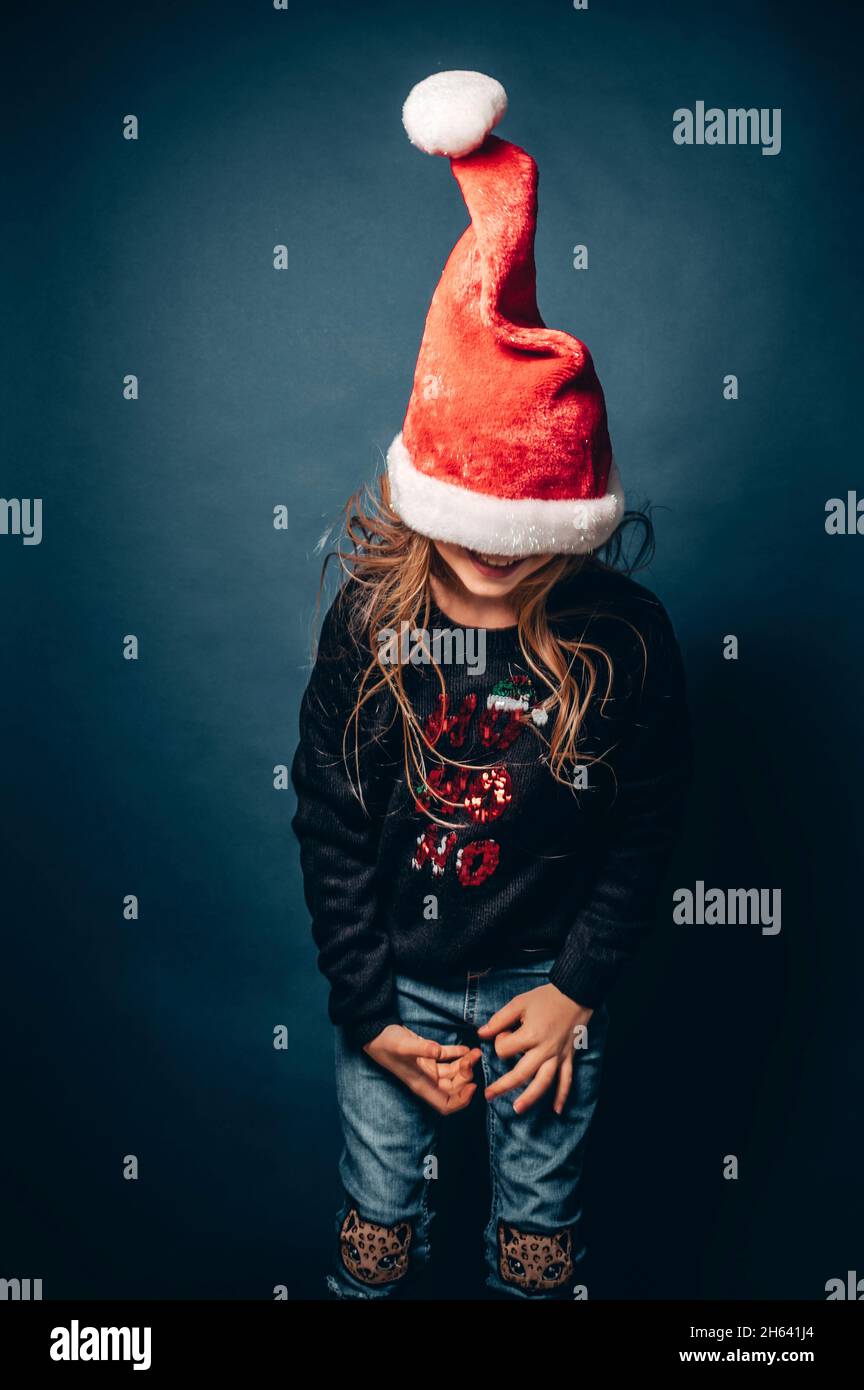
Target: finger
{"type": "Point", "coordinates": [435, 1070]}
{"type": "Point", "coordinates": [520, 1075]}
{"type": "Point", "coordinates": [438, 1070]}
{"type": "Point", "coordinates": [565, 1081]}
{"type": "Point", "coordinates": [459, 1100]}
{"type": "Point", "coordinates": [412, 1045]}
{"type": "Point", "coordinates": [428, 1068]}
{"type": "Point", "coordinates": [427, 1091]}
{"type": "Point", "coordinates": [463, 1066]}
{"type": "Point", "coordinates": [504, 1018]}
{"type": "Point", "coordinates": [452, 1083]}
{"type": "Point", "coordinates": [462, 1076]}
{"type": "Point", "coordinates": [467, 1064]}
{"type": "Point", "coordinates": [452, 1075]}
{"type": "Point", "coordinates": [443, 1077]}
{"type": "Point", "coordinates": [450, 1051]}
{"type": "Point", "coordinates": [510, 1044]}
{"type": "Point", "coordinates": [421, 1076]}
{"type": "Point", "coordinates": [539, 1086]}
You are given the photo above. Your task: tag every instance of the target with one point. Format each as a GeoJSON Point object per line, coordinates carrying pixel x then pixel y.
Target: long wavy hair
{"type": "Point", "coordinates": [386, 570]}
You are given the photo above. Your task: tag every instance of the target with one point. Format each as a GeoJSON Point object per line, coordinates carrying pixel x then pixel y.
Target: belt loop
{"type": "Point", "coordinates": [470, 996]}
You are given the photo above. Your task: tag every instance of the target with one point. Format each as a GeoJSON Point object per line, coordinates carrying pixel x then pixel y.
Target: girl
{"type": "Point", "coordinates": [493, 754]}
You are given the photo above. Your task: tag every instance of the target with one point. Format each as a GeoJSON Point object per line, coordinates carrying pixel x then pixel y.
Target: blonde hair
{"type": "Point", "coordinates": [387, 569]}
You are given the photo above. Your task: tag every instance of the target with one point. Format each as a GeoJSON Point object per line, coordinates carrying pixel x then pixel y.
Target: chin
{"type": "Point", "coordinates": [488, 588]}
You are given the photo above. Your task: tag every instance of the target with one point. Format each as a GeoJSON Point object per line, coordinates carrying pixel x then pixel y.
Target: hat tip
{"type": "Point", "coordinates": [451, 113]}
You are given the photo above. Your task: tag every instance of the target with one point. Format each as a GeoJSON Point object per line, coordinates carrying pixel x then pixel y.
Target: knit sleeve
{"type": "Point", "coordinates": [339, 839]}
{"type": "Point", "coordinates": [652, 768]}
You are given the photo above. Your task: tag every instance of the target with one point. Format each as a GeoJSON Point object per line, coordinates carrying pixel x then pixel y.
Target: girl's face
{"type": "Point", "coordinates": [485, 575]}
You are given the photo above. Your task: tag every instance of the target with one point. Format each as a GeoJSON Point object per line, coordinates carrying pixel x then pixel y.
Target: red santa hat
{"type": "Point", "coordinates": [505, 447]}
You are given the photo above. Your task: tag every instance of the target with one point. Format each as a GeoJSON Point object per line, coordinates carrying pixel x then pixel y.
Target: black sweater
{"type": "Point", "coordinates": [530, 863]}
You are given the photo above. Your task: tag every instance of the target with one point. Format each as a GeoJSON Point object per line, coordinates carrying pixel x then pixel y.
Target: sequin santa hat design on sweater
{"type": "Point", "coordinates": [505, 447]}
{"type": "Point", "coordinates": [517, 693]}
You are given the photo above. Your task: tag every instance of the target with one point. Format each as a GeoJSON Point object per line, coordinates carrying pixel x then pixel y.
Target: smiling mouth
{"type": "Point", "coordinates": [493, 566]}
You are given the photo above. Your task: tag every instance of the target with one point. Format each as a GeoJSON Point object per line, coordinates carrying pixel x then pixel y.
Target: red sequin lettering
{"type": "Point", "coordinates": [476, 862]}
{"type": "Point", "coordinates": [433, 849]}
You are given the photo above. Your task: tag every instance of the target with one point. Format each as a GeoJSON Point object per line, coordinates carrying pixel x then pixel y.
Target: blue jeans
{"type": "Point", "coordinates": [533, 1240]}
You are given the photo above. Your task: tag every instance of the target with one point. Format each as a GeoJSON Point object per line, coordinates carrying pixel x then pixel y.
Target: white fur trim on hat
{"type": "Point", "coordinates": [451, 113]}
{"type": "Point", "coordinates": [500, 525]}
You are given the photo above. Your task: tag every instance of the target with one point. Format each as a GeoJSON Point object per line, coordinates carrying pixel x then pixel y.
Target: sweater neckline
{"type": "Point", "coordinates": [495, 636]}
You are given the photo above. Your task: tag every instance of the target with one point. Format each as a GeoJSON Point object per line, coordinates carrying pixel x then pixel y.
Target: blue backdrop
{"type": "Point", "coordinates": [260, 387]}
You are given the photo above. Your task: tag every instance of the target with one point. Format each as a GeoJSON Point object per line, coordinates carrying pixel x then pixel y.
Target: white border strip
{"type": "Point", "coordinates": [500, 525]}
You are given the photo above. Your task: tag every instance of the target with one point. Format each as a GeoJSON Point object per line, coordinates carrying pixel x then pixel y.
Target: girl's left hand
{"type": "Point", "coordinates": [540, 1024]}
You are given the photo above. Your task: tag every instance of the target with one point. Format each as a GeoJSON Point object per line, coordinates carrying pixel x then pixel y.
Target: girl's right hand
{"type": "Point", "coordinates": [440, 1074]}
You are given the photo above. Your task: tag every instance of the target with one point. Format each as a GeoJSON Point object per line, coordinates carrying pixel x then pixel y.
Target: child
{"type": "Point", "coordinates": [482, 841]}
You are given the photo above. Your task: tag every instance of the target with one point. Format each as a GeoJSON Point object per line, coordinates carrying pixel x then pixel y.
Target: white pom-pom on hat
{"type": "Point", "coordinates": [451, 113]}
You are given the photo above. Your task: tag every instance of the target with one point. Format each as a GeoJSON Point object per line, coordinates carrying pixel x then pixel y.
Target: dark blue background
{"type": "Point", "coordinates": [257, 388]}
